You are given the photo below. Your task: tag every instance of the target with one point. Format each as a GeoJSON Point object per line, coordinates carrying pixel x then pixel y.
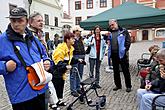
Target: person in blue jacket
{"type": "Point", "coordinates": [118, 50]}
{"type": "Point", "coordinates": [21, 94]}
{"type": "Point", "coordinates": [98, 46]}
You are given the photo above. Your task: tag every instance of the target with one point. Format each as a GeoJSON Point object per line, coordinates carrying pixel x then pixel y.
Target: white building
{"type": "Point", "coordinates": [80, 10]}
{"type": "Point", "coordinates": [67, 23]}
{"type": "Point", "coordinates": [50, 9]}
{"type": "Point", "coordinates": [52, 12]}
{"type": "Point", "coordinates": [6, 5]}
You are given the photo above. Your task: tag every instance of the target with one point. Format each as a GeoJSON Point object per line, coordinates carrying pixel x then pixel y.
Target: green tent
{"type": "Point", "coordinates": [129, 15]}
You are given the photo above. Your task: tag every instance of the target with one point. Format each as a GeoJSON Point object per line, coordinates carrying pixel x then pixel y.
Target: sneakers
{"type": "Point", "coordinates": [128, 90]}
{"type": "Point", "coordinates": [54, 107]}
{"type": "Point", "coordinates": [116, 88]}
{"type": "Point", "coordinates": [60, 103]}
{"type": "Point", "coordinates": [74, 94]}
{"type": "Point", "coordinates": [109, 69]}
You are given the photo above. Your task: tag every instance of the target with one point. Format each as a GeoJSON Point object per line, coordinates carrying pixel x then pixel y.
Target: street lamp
{"type": "Point", "coordinates": [30, 2]}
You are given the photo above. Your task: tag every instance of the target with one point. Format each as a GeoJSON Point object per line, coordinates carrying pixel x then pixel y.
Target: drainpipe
{"type": "Point", "coordinates": [30, 2]}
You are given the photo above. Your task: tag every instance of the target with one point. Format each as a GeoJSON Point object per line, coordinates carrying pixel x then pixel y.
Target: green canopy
{"type": "Point", "coordinates": [129, 15]}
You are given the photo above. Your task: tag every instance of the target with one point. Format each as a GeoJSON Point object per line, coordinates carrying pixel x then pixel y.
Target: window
{"type": "Point", "coordinates": [123, 1]}
{"type": "Point", "coordinates": [46, 19]}
{"type": "Point", "coordinates": [11, 6]}
{"type": "Point", "coordinates": [89, 4]}
{"type": "Point", "coordinates": [103, 3]}
{"type": "Point", "coordinates": [77, 5]}
{"type": "Point", "coordinates": [56, 21]}
{"type": "Point", "coordinates": [78, 19]}
{"type": "Point", "coordinates": [160, 33]}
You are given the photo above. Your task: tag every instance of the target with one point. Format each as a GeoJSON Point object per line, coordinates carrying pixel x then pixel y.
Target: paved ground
{"type": "Point", "coordinates": [119, 100]}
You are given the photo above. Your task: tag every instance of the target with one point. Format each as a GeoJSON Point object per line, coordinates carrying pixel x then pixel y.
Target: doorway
{"type": "Point", "coordinates": [145, 35]}
{"type": "Point", "coordinates": [46, 36]}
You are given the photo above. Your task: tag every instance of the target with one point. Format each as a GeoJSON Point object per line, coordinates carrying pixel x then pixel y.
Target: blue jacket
{"type": "Point", "coordinates": [123, 42]}
{"type": "Point", "coordinates": [92, 53]}
{"type": "Point", "coordinates": [16, 82]}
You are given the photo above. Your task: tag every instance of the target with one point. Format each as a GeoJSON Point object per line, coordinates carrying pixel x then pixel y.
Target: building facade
{"type": "Point", "coordinates": [51, 10]}
{"type": "Point", "coordinates": [6, 5]}
{"type": "Point", "coordinates": [145, 34]}
{"type": "Point", "coordinates": [67, 23]}
{"type": "Point", "coordinates": [52, 13]}
{"type": "Point", "coordinates": [80, 10]}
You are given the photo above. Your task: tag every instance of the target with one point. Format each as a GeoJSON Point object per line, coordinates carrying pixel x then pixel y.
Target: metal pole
{"type": "Point", "coordinates": [30, 2]}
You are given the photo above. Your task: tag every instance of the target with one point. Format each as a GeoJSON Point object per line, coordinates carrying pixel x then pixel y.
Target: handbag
{"type": "Point", "coordinates": [88, 48]}
{"type": "Point", "coordinates": [143, 72]}
{"type": "Point", "coordinates": [37, 76]}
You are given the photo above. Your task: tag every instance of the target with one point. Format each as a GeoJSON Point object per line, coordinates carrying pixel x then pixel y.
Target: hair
{"type": "Point", "coordinates": [68, 35]}
{"type": "Point", "coordinates": [161, 54]}
{"type": "Point", "coordinates": [34, 15]}
{"type": "Point", "coordinates": [56, 35]}
{"type": "Point", "coordinates": [97, 26]}
{"type": "Point", "coordinates": [110, 20]}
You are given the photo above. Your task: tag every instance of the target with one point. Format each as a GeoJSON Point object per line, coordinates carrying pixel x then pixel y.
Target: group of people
{"type": "Point", "coordinates": [25, 45]}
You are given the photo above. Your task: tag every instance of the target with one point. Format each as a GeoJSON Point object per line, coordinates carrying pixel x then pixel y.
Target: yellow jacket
{"type": "Point", "coordinates": [62, 52]}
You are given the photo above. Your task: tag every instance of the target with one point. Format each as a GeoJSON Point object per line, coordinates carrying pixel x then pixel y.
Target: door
{"type": "Point", "coordinates": [145, 35]}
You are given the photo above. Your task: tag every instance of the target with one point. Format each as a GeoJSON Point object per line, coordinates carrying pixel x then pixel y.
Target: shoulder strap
{"type": "Point", "coordinates": [38, 48]}
{"type": "Point", "coordinates": [16, 51]}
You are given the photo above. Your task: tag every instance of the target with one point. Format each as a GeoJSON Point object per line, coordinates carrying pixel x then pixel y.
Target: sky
{"type": "Point", "coordinates": [65, 5]}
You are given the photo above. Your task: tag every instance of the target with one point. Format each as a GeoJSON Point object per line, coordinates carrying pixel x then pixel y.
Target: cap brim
{"type": "Point", "coordinates": [14, 17]}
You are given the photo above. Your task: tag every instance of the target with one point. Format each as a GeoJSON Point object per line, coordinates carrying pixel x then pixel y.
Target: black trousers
{"type": "Point", "coordinates": [125, 68]}
{"type": "Point", "coordinates": [37, 103]}
{"type": "Point", "coordinates": [59, 86]}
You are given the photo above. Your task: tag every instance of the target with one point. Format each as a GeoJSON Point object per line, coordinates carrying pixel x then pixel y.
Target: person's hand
{"type": "Point", "coordinates": [68, 67]}
{"type": "Point", "coordinates": [162, 74]}
{"type": "Point", "coordinates": [148, 86]}
{"type": "Point", "coordinates": [80, 60]}
{"type": "Point", "coordinates": [46, 65]}
{"type": "Point", "coordinates": [10, 66]}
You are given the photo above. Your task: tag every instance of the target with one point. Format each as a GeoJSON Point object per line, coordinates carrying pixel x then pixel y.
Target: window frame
{"type": "Point", "coordinates": [89, 4]}
{"type": "Point", "coordinates": [46, 17]}
{"type": "Point", "coordinates": [104, 2]}
{"type": "Point", "coordinates": [56, 21]}
{"type": "Point", "coordinates": [77, 22]}
{"type": "Point", "coordinates": [79, 5]}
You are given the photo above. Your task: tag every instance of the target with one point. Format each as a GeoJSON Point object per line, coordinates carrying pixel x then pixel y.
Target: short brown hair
{"type": "Point", "coordinates": [68, 35]}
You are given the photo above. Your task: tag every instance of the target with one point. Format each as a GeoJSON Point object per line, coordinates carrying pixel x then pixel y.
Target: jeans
{"type": "Point", "coordinates": [92, 63]}
{"type": "Point", "coordinates": [144, 99]}
{"type": "Point", "coordinates": [109, 60]}
{"type": "Point", "coordinates": [74, 78]}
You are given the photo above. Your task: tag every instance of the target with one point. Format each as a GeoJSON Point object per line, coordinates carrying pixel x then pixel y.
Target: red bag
{"type": "Point", "coordinates": [143, 72]}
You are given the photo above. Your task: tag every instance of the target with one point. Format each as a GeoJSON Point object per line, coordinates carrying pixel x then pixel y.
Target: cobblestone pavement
{"type": "Point", "coordinates": [116, 100]}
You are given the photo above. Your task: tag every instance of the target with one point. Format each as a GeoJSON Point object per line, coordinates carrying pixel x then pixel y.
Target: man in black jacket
{"type": "Point", "coordinates": [119, 43]}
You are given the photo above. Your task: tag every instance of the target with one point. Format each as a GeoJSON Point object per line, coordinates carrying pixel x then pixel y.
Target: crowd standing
{"type": "Point", "coordinates": [27, 47]}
